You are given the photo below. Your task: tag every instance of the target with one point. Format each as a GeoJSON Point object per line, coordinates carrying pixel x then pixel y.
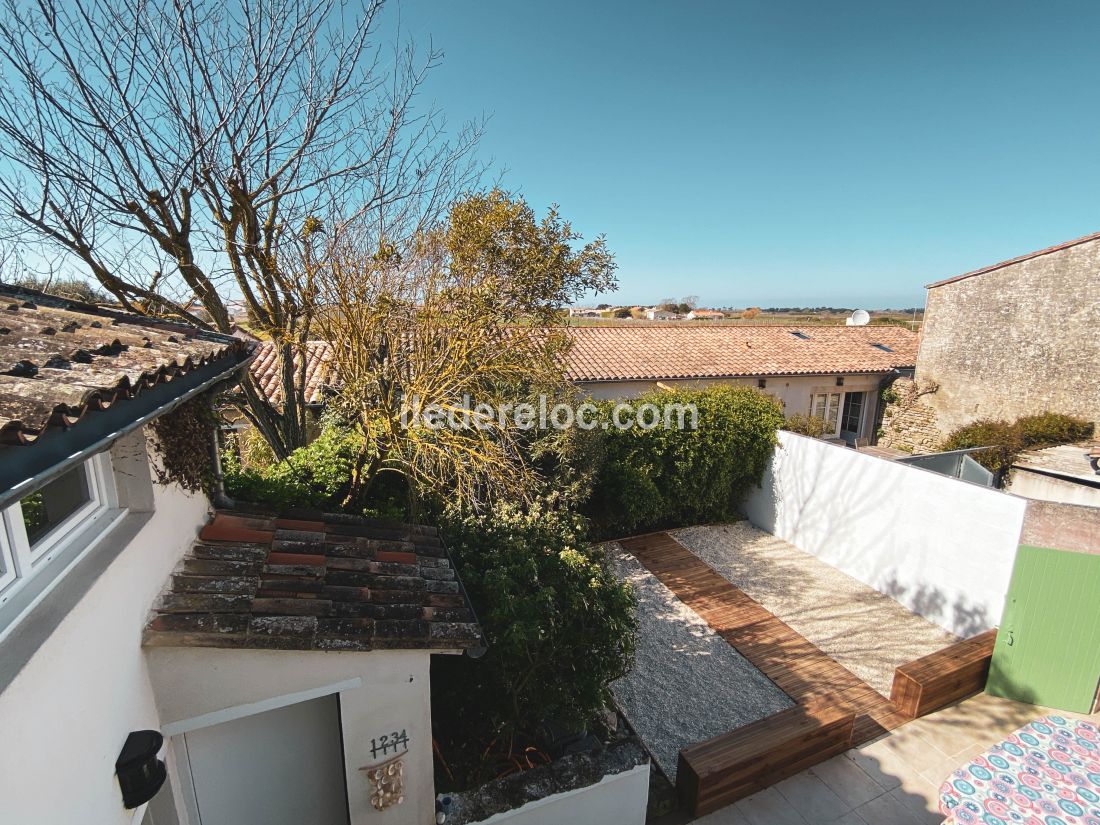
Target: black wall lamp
{"type": "Point", "coordinates": [140, 773]}
{"type": "Point", "coordinates": [840, 380]}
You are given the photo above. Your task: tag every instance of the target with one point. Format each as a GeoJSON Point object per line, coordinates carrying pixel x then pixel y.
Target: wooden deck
{"type": "Point", "coordinates": [797, 666]}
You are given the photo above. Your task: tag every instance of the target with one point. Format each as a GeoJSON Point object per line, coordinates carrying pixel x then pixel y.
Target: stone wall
{"type": "Point", "coordinates": [1062, 527]}
{"type": "Point", "coordinates": [908, 422]}
{"type": "Point", "coordinates": [1017, 340]}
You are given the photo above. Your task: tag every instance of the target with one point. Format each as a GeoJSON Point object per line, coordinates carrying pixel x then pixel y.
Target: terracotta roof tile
{"type": "Point", "coordinates": [61, 359]}
{"type": "Point", "coordinates": [319, 371]}
{"type": "Point", "coordinates": [655, 352]}
{"type": "Point", "coordinates": [341, 583]}
{"type": "Point", "coordinates": [683, 352]}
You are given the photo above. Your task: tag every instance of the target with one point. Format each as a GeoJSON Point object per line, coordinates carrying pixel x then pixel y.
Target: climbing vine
{"type": "Point", "coordinates": [183, 442]}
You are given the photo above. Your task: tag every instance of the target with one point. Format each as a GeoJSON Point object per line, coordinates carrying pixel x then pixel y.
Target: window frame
{"type": "Point", "coordinates": [845, 413]}
{"type": "Point", "coordinates": [830, 410]}
{"type": "Point", "coordinates": [23, 561]}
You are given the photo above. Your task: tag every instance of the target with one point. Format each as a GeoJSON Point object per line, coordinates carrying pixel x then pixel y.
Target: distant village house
{"type": "Point", "coordinates": [834, 373]}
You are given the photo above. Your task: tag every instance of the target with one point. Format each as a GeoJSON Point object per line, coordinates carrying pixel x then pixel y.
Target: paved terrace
{"type": "Point", "coordinates": [867, 632]}
{"type": "Point", "coordinates": [713, 657]}
{"type": "Point", "coordinates": [894, 780]}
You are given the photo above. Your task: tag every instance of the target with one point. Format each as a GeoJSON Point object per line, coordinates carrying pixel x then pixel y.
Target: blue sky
{"type": "Point", "coordinates": [807, 153]}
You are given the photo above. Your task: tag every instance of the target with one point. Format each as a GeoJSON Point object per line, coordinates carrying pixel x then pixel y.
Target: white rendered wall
{"type": "Point", "coordinates": [940, 546]}
{"type": "Point", "coordinates": [394, 695]}
{"type": "Point", "coordinates": [67, 713]}
{"type": "Point", "coordinates": [619, 798]}
{"type": "Point", "coordinates": [793, 391]}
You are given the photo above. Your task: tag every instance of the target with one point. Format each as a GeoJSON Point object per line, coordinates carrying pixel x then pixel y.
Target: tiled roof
{"type": "Point", "coordinates": [318, 371]}
{"type": "Point", "coordinates": [671, 352]}
{"type": "Point", "coordinates": [314, 582]}
{"type": "Point", "coordinates": [1019, 259]}
{"type": "Point", "coordinates": [61, 360]}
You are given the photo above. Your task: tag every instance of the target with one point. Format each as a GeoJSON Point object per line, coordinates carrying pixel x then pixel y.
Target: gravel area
{"type": "Point", "coordinates": [867, 632]}
{"type": "Point", "coordinates": [687, 684]}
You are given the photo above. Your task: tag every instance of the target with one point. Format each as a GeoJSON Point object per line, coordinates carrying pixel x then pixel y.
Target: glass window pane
{"type": "Point", "coordinates": [853, 411]}
{"type": "Point", "coordinates": [819, 406]}
{"type": "Point", "coordinates": [834, 410]}
{"type": "Point", "coordinates": [48, 507]}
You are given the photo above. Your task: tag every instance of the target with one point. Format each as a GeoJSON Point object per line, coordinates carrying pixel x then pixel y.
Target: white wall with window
{"type": "Point", "coordinates": [84, 557]}
{"type": "Point", "coordinates": [47, 530]}
{"type": "Point", "coordinates": [850, 404]}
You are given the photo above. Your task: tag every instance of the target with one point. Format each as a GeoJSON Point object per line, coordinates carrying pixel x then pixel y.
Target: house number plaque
{"type": "Point", "coordinates": [389, 742]}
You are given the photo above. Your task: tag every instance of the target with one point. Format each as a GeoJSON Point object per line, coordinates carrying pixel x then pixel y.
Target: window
{"type": "Point", "coordinates": [800, 334]}
{"type": "Point", "coordinates": [39, 530]}
{"type": "Point", "coordinates": [853, 412]}
{"type": "Point", "coordinates": [882, 347]}
{"type": "Point", "coordinates": [826, 406]}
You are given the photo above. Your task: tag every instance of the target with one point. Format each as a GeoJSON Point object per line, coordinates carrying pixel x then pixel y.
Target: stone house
{"type": "Point", "coordinates": [165, 666]}
{"type": "Point", "coordinates": [1015, 338]}
{"type": "Point", "coordinates": [834, 373]}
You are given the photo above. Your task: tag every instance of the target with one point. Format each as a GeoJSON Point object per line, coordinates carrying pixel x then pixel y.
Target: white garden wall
{"type": "Point", "coordinates": [618, 798]}
{"type": "Point", "coordinates": [940, 546]}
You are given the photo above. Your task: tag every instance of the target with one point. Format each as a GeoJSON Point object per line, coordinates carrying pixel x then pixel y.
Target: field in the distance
{"type": "Point", "coordinates": [910, 320]}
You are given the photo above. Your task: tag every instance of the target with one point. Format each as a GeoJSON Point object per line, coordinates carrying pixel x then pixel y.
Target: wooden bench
{"type": "Point", "coordinates": [935, 681]}
{"type": "Point", "coordinates": [718, 771]}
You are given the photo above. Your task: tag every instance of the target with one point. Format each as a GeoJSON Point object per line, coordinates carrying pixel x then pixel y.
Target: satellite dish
{"type": "Point", "coordinates": [859, 318]}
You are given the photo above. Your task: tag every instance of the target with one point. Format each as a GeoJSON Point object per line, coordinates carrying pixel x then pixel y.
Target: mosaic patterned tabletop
{"type": "Point", "coordinates": [1046, 773]}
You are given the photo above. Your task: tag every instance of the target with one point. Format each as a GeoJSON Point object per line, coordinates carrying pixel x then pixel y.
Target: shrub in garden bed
{"type": "Point", "coordinates": [810, 425]}
{"type": "Point", "coordinates": [660, 478]}
{"type": "Point", "coordinates": [316, 476]}
{"type": "Point", "coordinates": [559, 626]}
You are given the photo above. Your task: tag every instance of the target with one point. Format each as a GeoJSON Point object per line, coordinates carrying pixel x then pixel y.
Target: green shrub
{"type": "Point", "coordinates": [1009, 440]}
{"type": "Point", "coordinates": [660, 478]}
{"type": "Point", "coordinates": [1002, 438]}
{"type": "Point", "coordinates": [559, 626]}
{"type": "Point", "coordinates": [1050, 429]}
{"type": "Point", "coordinates": [810, 425]}
{"type": "Point", "coordinates": [314, 476]}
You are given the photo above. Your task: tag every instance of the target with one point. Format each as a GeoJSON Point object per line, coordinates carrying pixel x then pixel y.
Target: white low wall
{"type": "Point", "coordinates": [619, 798]}
{"type": "Point", "coordinates": [940, 546]}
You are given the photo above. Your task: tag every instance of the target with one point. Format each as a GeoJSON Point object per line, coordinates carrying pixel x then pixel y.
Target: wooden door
{"type": "Point", "coordinates": [1048, 646]}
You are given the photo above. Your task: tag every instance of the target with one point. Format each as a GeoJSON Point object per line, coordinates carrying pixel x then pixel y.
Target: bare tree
{"type": "Point", "coordinates": [183, 152]}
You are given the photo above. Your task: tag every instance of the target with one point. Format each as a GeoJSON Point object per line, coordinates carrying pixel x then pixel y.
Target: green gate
{"type": "Point", "coordinates": [1048, 646]}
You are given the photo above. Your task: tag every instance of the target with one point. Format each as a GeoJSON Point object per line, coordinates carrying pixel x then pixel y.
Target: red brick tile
{"type": "Point", "coordinates": [395, 556]}
{"type": "Point", "coordinates": [299, 524]}
{"type": "Point", "coordinates": [247, 522]}
{"type": "Point", "coordinates": [296, 558]}
{"type": "Point", "coordinates": [217, 531]}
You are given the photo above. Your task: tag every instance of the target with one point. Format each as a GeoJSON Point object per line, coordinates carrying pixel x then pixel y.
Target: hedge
{"type": "Point", "coordinates": [659, 478]}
